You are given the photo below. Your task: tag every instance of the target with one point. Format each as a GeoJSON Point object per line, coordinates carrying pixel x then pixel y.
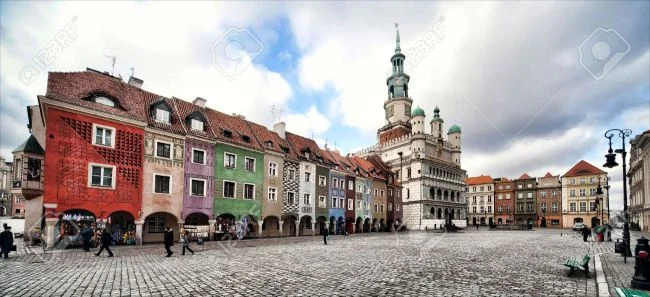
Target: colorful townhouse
{"type": "Point", "coordinates": [323, 186]}
{"type": "Point", "coordinates": [291, 183]}
{"type": "Point", "coordinates": [549, 201]}
{"type": "Point", "coordinates": [338, 202]}
{"type": "Point", "coordinates": [526, 205]}
{"type": "Point", "coordinates": [239, 173]}
{"type": "Point", "coordinates": [163, 174]}
{"type": "Point", "coordinates": [94, 137]}
{"type": "Point", "coordinates": [504, 206]}
{"type": "Point", "coordinates": [481, 191]}
{"type": "Point", "coordinates": [580, 202]}
{"type": "Point", "coordinates": [199, 178]}
{"type": "Point", "coordinates": [276, 150]}
{"type": "Point", "coordinates": [393, 189]}
{"type": "Point", "coordinates": [347, 192]}
{"type": "Point", "coordinates": [377, 195]}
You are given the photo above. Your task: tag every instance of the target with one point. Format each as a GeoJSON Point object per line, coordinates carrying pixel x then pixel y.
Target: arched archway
{"type": "Point", "coordinates": [458, 214]}
{"type": "Point", "coordinates": [289, 225]}
{"type": "Point", "coordinates": [358, 225]}
{"type": "Point", "coordinates": [490, 221]}
{"type": "Point", "coordinates": [252, 230]}
{"type": "Point", "coordinates": [70, 224]}
{"type": "Point", "coordinates": [271, 226]}
{"type": "Point", "coordinates": [366, 225]}
{"type": "Point", "coordinates": [453, 196]}
{"type": "Point", "coordinates": [439, 194]}
{"type": "Point", "coordinates": [122, 226]}
{"type": "Point", "coordinates": [226, 224]}
{"type": "Point", "coordinates": [340, 225]}
{"type": "Point", "coordinates": [482, 221]}
{"type": "Point", "coordinates": [197, 219]}
{"type": "Point", "coordinates": [332, 227]}
{"type": "Point", "coordinates": [446, 195]}
{"type": "Point", "coordinates": [305, 226]}
{"type": "Point", "coordinates": [595, 221]}
{"type": "Point", "coordinates": [382, 225]}
{"type": "Point", "coordinates": [458, 196]}
{"type": "Point", "coordinates": [321, 224]}
{"type": "Point", "coordinates": [373, 227]}
{"type": "Point", "coordinates": [474, 221]}
{"type": "Point", "coordinates": [432, 212]}
{"type": "Point", "coordinates": [439, 213]}
{"type": "Point", "coordinates": [155, 224]}
{"type": "Point", "coordinates": [349, 225]}
{"type": "Point", "coordinates": [499, 221]}
{"type": "Point", "coordinates": [432, 193]}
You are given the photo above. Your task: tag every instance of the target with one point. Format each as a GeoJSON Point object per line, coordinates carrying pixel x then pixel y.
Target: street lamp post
{"type": "Point", "coordinates": [611, 163]}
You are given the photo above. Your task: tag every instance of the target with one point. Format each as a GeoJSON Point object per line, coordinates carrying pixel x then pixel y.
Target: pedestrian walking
{"type": "Point", "coordinates": [169, 240]}
{"type": "Point", "coordinates": [585, 233]}
{"type": "Point", "coordinates": [7, 241]}
{"type": "Point", "coordinates": [326, 233]}
{"type": "Point", "coordinates": [186, 243]}
{"type": "Point", "coordinates": [105, 243]}
{"type": "Point", "coordinates": [476, 226]}
{"type": "Point", "coordinates": [86, 236]}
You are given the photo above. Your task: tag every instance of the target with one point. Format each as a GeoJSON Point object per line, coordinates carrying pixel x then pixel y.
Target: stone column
{"type": "Point", "coordinates": [259, 228]}
{"type": "Point", "coordinates": [297, 223]}
{"type": "Point", "coordinates": [138, 232]}
{"type": "Point", "coordinates": [50, 231]}
{"type": "Point", "coordinates": [212, 229]}
{"type": "Point", "coordinates": [281, 223]}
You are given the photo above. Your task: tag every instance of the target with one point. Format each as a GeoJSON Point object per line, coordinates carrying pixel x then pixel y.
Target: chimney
{"type": "Point", "coordinates": [199, 102]}
{"type": "Point", "coordinates": [136, 82]}
{"type": "Point", "coordinates": [280, 128]}
{"type": "Point", "coordinates": [239, 116]}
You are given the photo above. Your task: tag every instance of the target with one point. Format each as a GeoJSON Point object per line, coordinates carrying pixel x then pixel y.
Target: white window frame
{"type": "Point", "coordinates": [322, 201]}
{"type": "Point", "coordinates": [274, 192]}
{"type": "Point", "coordinates": [308, 196]}
{"type": "Point", "coordinates": [275, 170]}
{"type": "Point", "coordinates": [308, 177]}
{"type": "Point", "coordinates": [322, 181]}
{"type": "Point", "coordinates": [350, 204]}
{"type": "Point", "coordinates": [291, 174]}
{"type": "Point", "coordinates": [573, 207]}
{"type": "Point", "coordinates": [223, 189]}
{"type": "Point", "coordinates": [205, 187]}
{"type": "Point", "coordinates": [246, 158]}
{"type": "Point", "coordinates": [90, 176]}
{"type": "Point", "coordinates": [205, 154]}
{"type": "Point", "coordinates": [153, 184]}
{"type": "Point", "coordinates": [342, 202]}
{"type": "Point", "coordinates": [350, 185]}
{"type": "Point", "coordinates": [169, 115]}
{"type": "Point", "coordinates": [171, 149]}
{"type": "Point", "coordinates": [381, 193]}
{"type": "Point", "coordinates": [334, 202]}
{"type": "Point", "coordinates": [225, 157]}
{"type": "Point", "coordinates": [398, 207]}
{"type": "Point", "coordinates": [334, 182]}
{"type": "Point", "coordinates": [192, 121]}
{"type": "Point", "coordinates": [244, 191]}
{"type": "Point", "coordinates": [294, 197]}
{"type": "Point", "coordinates": [113, 132]}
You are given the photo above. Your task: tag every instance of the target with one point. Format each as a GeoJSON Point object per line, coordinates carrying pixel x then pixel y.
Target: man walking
{"type": "Point", "coordinates": [186, 243]}
{"type": "Point", "coordinates": [105, 242]}
{"type": "Point", "coordinates": [585, 233]}
{"type": "Point", "coordinates": [326, 233]}
{"type": "Point", "coordinates": [169, 240]}
{"type": "Point", "coordinates": [6, 241]}
{"type": "Point", "coordinates": [86, 235]}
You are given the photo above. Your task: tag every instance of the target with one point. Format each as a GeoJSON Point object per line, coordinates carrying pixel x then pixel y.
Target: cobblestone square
{"type": "Point", "coordinates": [470, 263]}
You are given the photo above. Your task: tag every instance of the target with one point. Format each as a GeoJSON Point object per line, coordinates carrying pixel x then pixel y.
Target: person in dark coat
{"type": "Point", "coordinates": [585, 233]}
{"type": "Point", "coordinates": [86, 236]}
{"type": "Point", "coordinates": [326, 232]}
{"type": "Point", "coordinates": [169, 241]}
{"type": "Point", "coordinates": [186, 243]}
{"type": "Point", "coordinates": [105, 241]}
{"type": "Point", "coordinates": [6, 241]}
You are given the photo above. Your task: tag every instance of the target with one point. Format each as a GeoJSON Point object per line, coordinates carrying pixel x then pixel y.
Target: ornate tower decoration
{"type": "Point", "coordinates": [398, 104]}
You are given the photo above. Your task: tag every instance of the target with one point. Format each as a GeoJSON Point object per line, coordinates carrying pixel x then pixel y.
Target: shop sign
{"type": "Point", "coordinates": [197, 231]}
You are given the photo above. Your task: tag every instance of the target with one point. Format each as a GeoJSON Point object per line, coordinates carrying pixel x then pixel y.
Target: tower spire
{"type": "Point", "coordinates": [397, 47]}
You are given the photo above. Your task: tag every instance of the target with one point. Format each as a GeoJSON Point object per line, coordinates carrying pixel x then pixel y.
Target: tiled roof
{"type": "Point", "coordinates": [369, 168]}
{"type": "Point", "coordinates": [525, 176]}
{"type": "Point", "coordinates": [240, 132]}
{"type": "Point", "coordinates": [354, 160]}
{"type": "Point", "coordinates": [30, 145]}
{"type": "Point", "coordinates": [301, 144]}
{"type": "Point", "coordinates": [75, 87]}
{"type": "Point", "coordinates": [175, 122]}
{"type": "Point", "coordinates": [184, 109]}
{"type": "Point", "coordinates": [478, 180]}
{"type": "Point", "coordinates": [548, 174]}
{"type": "Point", "coordinates": [341, 161]}
{"type": "Point", "coordinates": [583, 168]}
{"type": "Point", "coordinates": [271, 140]}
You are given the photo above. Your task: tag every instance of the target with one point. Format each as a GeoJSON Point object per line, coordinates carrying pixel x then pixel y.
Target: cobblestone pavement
{"type": "Point", "coordinates": [471, 263]}
{"type": "Point", "coordinates": [618, 273]}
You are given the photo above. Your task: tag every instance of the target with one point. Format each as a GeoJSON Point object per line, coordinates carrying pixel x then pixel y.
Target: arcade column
{"type": "Point", "coordinates": [138, 231]}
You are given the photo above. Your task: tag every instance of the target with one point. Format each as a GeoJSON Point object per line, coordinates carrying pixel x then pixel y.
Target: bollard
{"type": "Point", "coordinates": [641, 278]}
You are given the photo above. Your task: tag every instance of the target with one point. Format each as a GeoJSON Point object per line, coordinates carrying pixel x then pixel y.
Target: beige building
{"type": "Point", "coordinates": [580, 203]}
{"type": "Point", "coordinates": [639, 181]}
{"type": "Point", "coordinates": [480, 196]}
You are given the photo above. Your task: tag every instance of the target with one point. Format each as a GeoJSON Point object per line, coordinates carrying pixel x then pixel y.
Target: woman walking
{"type": "Point", "coordinates": [105, 242]}
{"type": "Point", "coordinates": [186, 243]}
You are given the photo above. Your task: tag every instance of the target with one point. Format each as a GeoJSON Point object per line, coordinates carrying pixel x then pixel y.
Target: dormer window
{"type": "Point", "coordinates": [269, 144]}
{"type": "Point", "coordinates": [246, 138]}
{"type": "Point", "coordinates": [105, 101]}
{"type": "Point", "coordinates": [307, 154]}
{"type": "Point", "coordinates": [285, 149]}
{"type": "Point", "coordinates": [197, 124]}
{"type": "Point", "coordinates": [162, 115]}
{"type": "Point", "coordinates": [227, 133]}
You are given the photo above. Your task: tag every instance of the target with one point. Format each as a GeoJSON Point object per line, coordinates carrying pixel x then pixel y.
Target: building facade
{"type": "Point", "coordinates": [525, 200]}
{"type": "Point", "coordinates": [480, 194]}
{"type": "Point", "coordinates": [549, 201]}
{"type": "Point", "coordinates": [639, 180]}
{"type": "Point", "coordinates": [580, 202]}
{"type": "Point", "coordinates": [8, 206]}
{"type": "Point", "coordinates": [504, 197]}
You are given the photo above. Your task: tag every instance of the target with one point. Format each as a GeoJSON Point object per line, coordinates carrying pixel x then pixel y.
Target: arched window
{"type": "Point", "coordinates": [105, 101]}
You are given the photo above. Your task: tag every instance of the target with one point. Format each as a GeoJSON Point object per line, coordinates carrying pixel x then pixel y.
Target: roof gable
{"type": "Point", "coordinates": [583, 168]}
{"type": "Point", "coordinates": [478, 180]}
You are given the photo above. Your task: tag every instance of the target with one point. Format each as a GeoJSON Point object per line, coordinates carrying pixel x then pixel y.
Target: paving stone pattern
{"type": "Point", "coordinates": [471, 263]}
{"type": "Point", "coordinates": [618, 273]}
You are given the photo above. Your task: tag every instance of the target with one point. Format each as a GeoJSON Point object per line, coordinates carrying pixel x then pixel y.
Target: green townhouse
{"type": "Point", "coordinates": [239, 174]}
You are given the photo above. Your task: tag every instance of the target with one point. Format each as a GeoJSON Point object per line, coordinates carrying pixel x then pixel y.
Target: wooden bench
{"type": "Point", "coordinates": [577, 265]}
{"type": "Point", "coordinates": [624, 292]}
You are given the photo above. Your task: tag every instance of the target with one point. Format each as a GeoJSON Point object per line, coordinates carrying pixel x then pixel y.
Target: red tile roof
{"type": "Point", "coordinates": [238, 128]}
{"type": "Point", "coordinates": [369, 168]}
{"type": "Point", "coordinates": [271, 140]}
{"type": "Point", "coordinates": [477, 180]}
{"type": "Point", "coordinates": [175, 122]}
{"type": "Point", "coordinates": [341, 161]}
{"type": "Point", "coordinates": [583, 168]}
{"type": "Point", "coordinates": [76, 87]}
{"type": "Point", "coordinates": [184, 109]}
{"type": "Point", "coordinates": [301, 144]}
{"type": "Point", "coordinates": [548, 174]}
{"type": "Point", "coordinates": [525, 176]}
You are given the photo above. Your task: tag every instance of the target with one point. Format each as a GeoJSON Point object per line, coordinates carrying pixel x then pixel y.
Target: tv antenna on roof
{"type": "Point", "coordinates": [113, 60]}
{"type": "Point", "coordinates": [132, 71]}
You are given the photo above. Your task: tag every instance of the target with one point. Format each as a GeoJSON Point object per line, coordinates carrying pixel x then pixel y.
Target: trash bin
{"type": "Point", "coordinates": [618, 246]}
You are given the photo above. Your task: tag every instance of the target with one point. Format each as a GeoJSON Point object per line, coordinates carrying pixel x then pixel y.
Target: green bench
{"type": "Point", "coordinates": [624, 292]}
{"type": "Point", "coordinates": [577, 265]}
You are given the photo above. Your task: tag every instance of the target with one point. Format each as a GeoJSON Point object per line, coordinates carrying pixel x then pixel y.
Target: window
{"type": "Point", "coordinates": [408, 193]}
{"type": "Point", "coordinates": [397, 207]}
{"type": "Point", "coordinates": [102, 176]}
{"type": "Point", "coordinates": [321, 202]}
{"type": "Point", "coordinates": [376, 192]}
{"type": "Point", "coordinates": [341, 202]}
{"type": "Point", "coordinates": [500, 196]}
{"type": "Point", "coordinates": [582, 192]}
{"type": "Point", "coordinates": [507, 186]}
{"type": "Point", "coordinates": [359, 205]}
{"type": "Point", "coordinates": [572, 181]}
{"type": "Point", "coordinates": [292, 174]}
{"type": "Point", "coordinates": [291, 198]}
{"type": "Point", "coordinates": [156, 224]}
{"type": "Point", "coordinates": [554, 193]}
{"type": "Point", "coordinates": [500, 187]}
{"type": "Point", "coordinates": [381, 193]}
{"type": "Point", "coordinates": [489, 188]}
{"type": "Point", "coordinates": [572, 206]}
{"type": "Point", "coordinates": [273, 169]}
{"type": "Point", "coordinates": [543, 206]}
{"type": "Point", "coordinates": [376, 207]}
{"type": "Point", "coordinates": [350, 204]}
{"type": "Point", "coordinates": [306, 199]}
{"type": "Point", "coordinates": [489, 198]}
{"type": "Point", "coordinates": [473, 189]}
{"type": "Point", "coordinates": [273, 194]}
{"type": "Point", "coordinates": [229, 160]}
{"type": "Point", "coordinates": [529, 207]}
{"type": "Point", "coordinates": [529, 195]}
{"type": "Point", "coordinates": [103, 135]}
{"type": "Point", "coordinates": [572, 193]}
{"type": "Point", "coordinates": [482, 209]}
{"type": "Point", "coordinates": [104, 101]}
{"type": "Point", "coordinates": [228, 189]}
{"type": "Point", "coordinates": [507, 208]}
{"type": "Point", "coordinates": [390, 192]}
{"type": "Point", "coordinates": [529, 185]}
{"type": "Point", "coordinates": [474, 209]}
{"type": "Point", "coordinates": [390, 207]}
{"type": "Point", "coordinates": [163, 149]}
{"type": "Point", "coordinates": [197, 124]}
{"type": "Point", "coordinates": [554, 206]}
{"type": "Point", "coordinates": [360, 188]}
{"type": "Point", "coordinates": [474, 199]}
{"type": "Point", "coordinates": [520, 206]}
{"type": "Point", "coordinates": [307, 176]}
{"type": "Point", "coordinates": [341, 184]}
{"type": "Point", "coordinates": [249, 191]}
{"type": "Point", "coordinates": [508, 196]}
{"type": "Point", "coordinates": [249, 164]}
{"type": "Point", "coordinates": [335, 181]}
{"type": "Point", "coordinates": [198, 156]}
{"type": "Point", "coordinates": [583, 206]}
{"type": "Point", "coordinates": [520, 186]}
{"type": "Point", "coordinates": [543, 194]}
{"type": "Point", "coordinates": [592, 180]}
{"type": "Point", "coordinates": [489, 209]}
{"type": "Point", "coordinates": [592, 192]}
{"type": "Point", "coordinates": [198, 187]}
{"type": "Point", "coordinates": [592, 206]}
{"type": "Point", "coordinates": [350, 185]}
{"type": "Point", "coordinates": [582, 180]}
{"type": "Point", "coordinates": [162, 115]}
{"type": "Point", "coordinates": [520, 195]}
{"type": "Point", "coordinates": [481, 188]}
{"type": "Point", "coordinates": [499, 209]}
{"type": "Point", "coordinates": [162, 184]}
{"type": "Point", "coordinates": [322, 181]}
{"type": "Point", "coordinates": [408, 172]}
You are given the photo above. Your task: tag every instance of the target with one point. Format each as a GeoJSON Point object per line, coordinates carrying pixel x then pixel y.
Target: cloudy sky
{"type": "Point", "coordinates": [510, 74]}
